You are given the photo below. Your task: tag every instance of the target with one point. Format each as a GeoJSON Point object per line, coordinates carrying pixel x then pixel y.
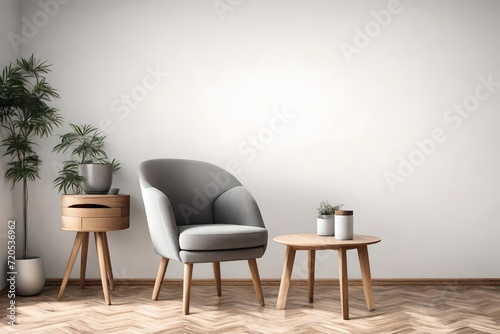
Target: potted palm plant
{"type": "Point", "coordinates": [89, 168]}
{"type": "Point", "coordinates": [325, 223]}
{"type": "Point", "coordinates": [25, 116]}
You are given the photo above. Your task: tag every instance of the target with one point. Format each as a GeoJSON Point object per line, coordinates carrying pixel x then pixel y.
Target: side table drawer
{"type": "Point", "coordinates": [94, 224]}
{"type": "Point", "coordinates": [95, 213]}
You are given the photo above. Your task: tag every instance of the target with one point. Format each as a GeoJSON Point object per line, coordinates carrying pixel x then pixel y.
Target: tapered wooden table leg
{"type": "Point", "coordinates": [74, 252]}
{"type": "Point", "coordinates": [285, 278]}
{"type": "Point", "coordinates": [102, 265]}
{"type": "Point", "coordinates": [343, 280]}
{"type": "Point", "coordinates": [107, 261]}
{"type": "Point", "coordinates": [310, 279]}
{"type": "Point", "coordinates": [366, 276]}
{"type": "Point", "coordinates": [83, 258]}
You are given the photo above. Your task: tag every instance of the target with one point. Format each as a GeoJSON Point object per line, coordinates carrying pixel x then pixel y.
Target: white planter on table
{"type": "Point", "coordinates": [325, 225]}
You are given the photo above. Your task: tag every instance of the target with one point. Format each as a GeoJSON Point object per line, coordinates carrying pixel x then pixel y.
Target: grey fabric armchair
{"type": "Point", "coordinates": [198, 213]}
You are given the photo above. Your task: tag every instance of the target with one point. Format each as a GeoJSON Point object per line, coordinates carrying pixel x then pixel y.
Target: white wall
{"type": "Point", "coordinates": [355, 107]}
{"type": "Point", "coordinates": [10, 22]}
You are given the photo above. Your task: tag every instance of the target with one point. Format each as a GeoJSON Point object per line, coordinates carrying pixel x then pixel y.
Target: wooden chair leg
{"type": "Point", "coordinates": [216, 266]}
{"type": "Point", "coordinates": [188, 274]}
{"type": "Point", "coordinates": [159, 277]}
{"type": "Point", "coordinates": [252, 263]}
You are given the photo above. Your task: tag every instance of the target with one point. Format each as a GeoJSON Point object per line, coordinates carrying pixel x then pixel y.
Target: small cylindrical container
{"type": "Point", "coordinates": [326, 225]}
{"type": "Point", "coordinates": [344, 224]}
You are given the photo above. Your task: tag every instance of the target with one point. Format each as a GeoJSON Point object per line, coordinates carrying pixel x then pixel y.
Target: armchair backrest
{"type": "Point", "coordinates": [191, 186]}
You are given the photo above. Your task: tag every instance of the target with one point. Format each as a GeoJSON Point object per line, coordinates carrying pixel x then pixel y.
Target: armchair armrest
{"type": "Point", "coordinates": [161, 222]}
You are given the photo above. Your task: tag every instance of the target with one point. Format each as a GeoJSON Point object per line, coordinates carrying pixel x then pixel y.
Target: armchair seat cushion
{"type": "Point", "coordinates": [207, 237]}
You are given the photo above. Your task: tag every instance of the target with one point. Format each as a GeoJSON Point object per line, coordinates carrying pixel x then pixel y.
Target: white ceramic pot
{"type": "Point", "coordinates": [344, 225]}
{"type": "Point", "coordinates": [325, 225]}
{"type": "Point", "coordinates": [30, 278]}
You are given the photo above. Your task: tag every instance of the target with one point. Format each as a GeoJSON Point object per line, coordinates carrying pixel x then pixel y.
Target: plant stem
{"type": "Point", "coordinates": [25, 216]}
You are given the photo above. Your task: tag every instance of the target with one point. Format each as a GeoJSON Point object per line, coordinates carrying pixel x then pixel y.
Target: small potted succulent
{"type": "Point", "coordinates": [89, 168]}
{"type": "Point", "coordinates": [325, 224]}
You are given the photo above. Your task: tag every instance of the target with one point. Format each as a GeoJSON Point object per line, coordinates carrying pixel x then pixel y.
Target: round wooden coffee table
{"type": "Point", "coordinates": [312, 243]}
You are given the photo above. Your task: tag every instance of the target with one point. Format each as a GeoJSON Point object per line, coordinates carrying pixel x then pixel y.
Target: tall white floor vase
{"type": "Point", "coordinates": [344, 225]}
{"type": "Point", "coordinates": [30, 277]}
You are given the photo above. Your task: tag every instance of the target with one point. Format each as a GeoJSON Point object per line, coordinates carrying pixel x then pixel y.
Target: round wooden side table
{"type": "Point", "coordinates": [99, 214]}
{"type": "Point", "coordinates": [312, 243]}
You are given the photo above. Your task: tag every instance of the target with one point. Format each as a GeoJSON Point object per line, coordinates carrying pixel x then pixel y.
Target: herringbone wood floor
{"type": "Point", "coordinates": [400, 309]}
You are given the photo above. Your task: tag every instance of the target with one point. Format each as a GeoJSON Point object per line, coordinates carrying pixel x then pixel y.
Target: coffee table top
{"type": "Point", "coordinates": [314, 241]}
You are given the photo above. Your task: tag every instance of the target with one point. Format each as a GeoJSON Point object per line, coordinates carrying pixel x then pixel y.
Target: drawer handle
{"type": "Point", "coordinates": [89, 206]}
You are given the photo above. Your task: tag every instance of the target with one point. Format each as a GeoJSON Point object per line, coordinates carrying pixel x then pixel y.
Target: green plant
{"type": "Point", "coordinates": [87, 144]}
{"type": "Point", "coordinates": [25, 116]}
{"type": "Point", "coordinates": [326, 209]}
